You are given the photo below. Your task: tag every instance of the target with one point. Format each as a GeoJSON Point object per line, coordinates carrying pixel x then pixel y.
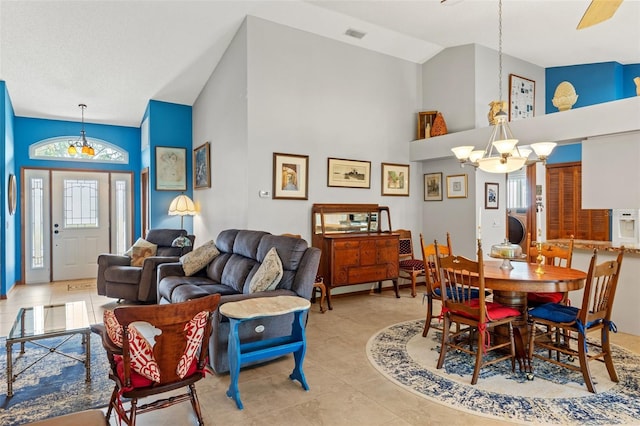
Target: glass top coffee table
{"type": "Point", "coordinates": [45, 322]}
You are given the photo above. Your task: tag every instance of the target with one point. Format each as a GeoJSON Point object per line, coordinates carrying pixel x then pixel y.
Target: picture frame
{"type": "Point", "coordinates": [202, 166]}
{"type": "Point", "coordinates": [457, 186]}
{"type": "Point", "coordinates": [522, 96]}
{"type": "Point", "coordinates": [433, 186]}
{"type": "Point", "coordinates": [425, 118]}
{"type": "Point", "coordinates": [348, 173]}
{"type": "Point", "coordinates": [171, 168]}
{"type": "Point", "coordinates": [491, 195]}
{"type": "Point", "coordinates": [12, 194]}
{"type": "Point", "coordinates": [290, 176]}
{"type": "Point", "coordinates": [395, 179]}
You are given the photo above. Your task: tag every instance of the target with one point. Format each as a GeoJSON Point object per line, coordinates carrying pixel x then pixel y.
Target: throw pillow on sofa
{"type": "Point", "coordinates": [197, 259]}
{"type": "Point", "coordinates": [139, 254]}
{"type": "Point", "coordinates": [269, 274]}
{"type": "Point", "coordinates": [141, 242]}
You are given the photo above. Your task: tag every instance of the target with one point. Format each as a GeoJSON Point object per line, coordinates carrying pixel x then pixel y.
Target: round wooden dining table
{"type": "Point", "coordinates": [510, 288]}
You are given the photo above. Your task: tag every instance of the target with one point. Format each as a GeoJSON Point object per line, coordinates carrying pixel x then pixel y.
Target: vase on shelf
{"type": "Point", "coordinates": [427, 130]}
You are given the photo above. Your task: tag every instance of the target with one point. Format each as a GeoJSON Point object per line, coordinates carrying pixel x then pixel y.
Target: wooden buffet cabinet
{"type": "Point", "coordinates": [356, 247]}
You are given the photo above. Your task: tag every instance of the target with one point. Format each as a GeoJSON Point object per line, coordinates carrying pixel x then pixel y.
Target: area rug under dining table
{"type": "Point", "coordinates": [555, 396]}
{"type": "Point", "coordinates": [55, 385]}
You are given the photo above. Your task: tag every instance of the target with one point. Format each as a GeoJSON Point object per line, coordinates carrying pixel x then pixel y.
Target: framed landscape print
{"type": "Point", "coordinates": [348, 173]}
{"type": "Point", "coordinates": [521, 97]}
{"type": "Point", "coordinates": [290, 176]}
{"type": "Point", "coordinates": [395, 179]}
{"type": "Point", "coordinates": [457, 186]}
{"type": "Point", "coordinates": [433, 187]}
{"type": "Point", "coordinates": [171, 168]}
{"type": "Point", "coordinates": [491, 195]}
{"type": "Point", "coordinates": [202, 166]}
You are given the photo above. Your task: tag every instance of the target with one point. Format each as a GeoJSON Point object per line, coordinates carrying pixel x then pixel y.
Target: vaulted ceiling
{"type": "Point", "coordinates": [116, 55]}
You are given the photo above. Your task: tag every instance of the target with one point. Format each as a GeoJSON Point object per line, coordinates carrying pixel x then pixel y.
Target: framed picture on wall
{"type": "Point", "coordinates": [290, 176]}
{"type": "Point", "coordinates": [348, 173]}
{"type": "Point", "coordinates": [433, 187]}
{"type": "Point", "coordinates": [395, 179]}
{"type": "Point", "coordinates": [171, 168]}
{"type": "Point", "coordinates": [491, 195]}
{"type": "Point", "coordinates": [457, 186]}
{"type": "Point", "coordinates": [522, 96]}
{"type": "Point", "coordinates": [202, 166]}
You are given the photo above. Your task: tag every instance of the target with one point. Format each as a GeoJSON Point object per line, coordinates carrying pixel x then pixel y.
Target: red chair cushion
{"type": "Point", "coordinates": [540, 298]}
{"type": "Point", "coordinates": [138, 380]}
{"type": "Point", "coordinates": [495, 311]}
{"type": "Point", "coordinates": [412, 264]}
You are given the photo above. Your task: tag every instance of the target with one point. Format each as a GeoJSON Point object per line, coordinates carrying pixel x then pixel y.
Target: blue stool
{"type": "Point", "coordinates": [242, 354]}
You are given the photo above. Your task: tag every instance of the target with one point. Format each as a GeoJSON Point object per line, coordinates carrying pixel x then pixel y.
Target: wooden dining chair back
{"type": "Point", "coordinates": [464, 304]}
{"type": "Point", "coordinates": [555, 255]}
{"type": "Point", "coordinates": [432, 276]}
{"type": "Point", "coordinates": [409, 265]}
{"type": "Point", "coordinates": [560, 329]}
{"type": "Point", "coordinates": [173, 354]}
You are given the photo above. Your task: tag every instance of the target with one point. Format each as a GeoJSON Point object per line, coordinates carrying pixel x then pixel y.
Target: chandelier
{"type": "Point", "coordinates": [81, 145]}
{"type": "Point", "coordinates": [501, 155]}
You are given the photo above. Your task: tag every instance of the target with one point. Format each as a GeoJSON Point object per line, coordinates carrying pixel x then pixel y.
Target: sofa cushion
{"type": "Point", "coordinates": [123, 274]}
{"type": "Point", "coordinates": [141, 242]}
{"type": "Point", "coordinates": [139, 254]}
{"type": "Point", "coordinates": [268, 274]}
{"type": "Point", "coordinates": [199, 258]}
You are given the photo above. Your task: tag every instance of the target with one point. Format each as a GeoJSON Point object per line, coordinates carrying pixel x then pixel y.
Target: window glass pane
{"type": "Point", "coordinates": [37, 223]}
{"type": "Point", "coordinates": [57, 149]}
{"type": "Point", "coordinates": [80, 203]}
{"type": "Point", "coordinates": [121, 222]}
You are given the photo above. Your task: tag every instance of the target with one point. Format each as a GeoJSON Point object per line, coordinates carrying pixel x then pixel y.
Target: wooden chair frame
{"type": "Point", "coordinates": [553, 255]}
{"type": "Point", "coordinates": [413, 267]}
{"type": "Point", "coordinates": [461, 281]}
{"type": "Point", "coordinates": [169, 347]}
{"type": "Point", "coordinates": [570, 338]}
{"type": "Point", "coordinates": [432, 277]}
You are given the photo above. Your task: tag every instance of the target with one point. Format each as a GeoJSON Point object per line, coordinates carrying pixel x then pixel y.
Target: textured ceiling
{"type": "Point", "coordinates": [116, 55]}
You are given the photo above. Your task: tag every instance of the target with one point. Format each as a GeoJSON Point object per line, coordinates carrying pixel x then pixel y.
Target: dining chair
{"type": "Point", "coordinates": [143, 366]}
{"type": "Point", "coordinates": [432, 276]}
{"type": "Point", "coordinates": [409, 266]}
{"type": "Point", "coordinates": [561, 324]}
{"type": "Point", "coordinates": [474, 317]}
{"type": "Point", "coordinates": [552, 255]}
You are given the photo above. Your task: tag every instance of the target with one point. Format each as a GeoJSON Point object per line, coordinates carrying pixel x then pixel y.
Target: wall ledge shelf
{"type": "Point", "coordinates": [564, 127]}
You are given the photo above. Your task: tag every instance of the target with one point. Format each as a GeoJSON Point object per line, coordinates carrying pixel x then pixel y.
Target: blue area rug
{"type": "Point", "coordinates": [56, 384]}
{"type": "Point", "coordinates": [556, 395]}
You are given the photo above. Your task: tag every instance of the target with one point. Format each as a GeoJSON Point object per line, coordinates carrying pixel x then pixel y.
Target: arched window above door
{"type": "Point", "coordinates": [56, 149]}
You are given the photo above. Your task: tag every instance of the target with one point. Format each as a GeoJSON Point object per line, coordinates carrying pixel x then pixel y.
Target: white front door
{"type": "Point", "coordinates": [79, 223]}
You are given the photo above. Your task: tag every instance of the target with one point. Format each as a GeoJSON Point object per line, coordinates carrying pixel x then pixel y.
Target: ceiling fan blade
{"type": "Point", "coordinates": [598, 11]}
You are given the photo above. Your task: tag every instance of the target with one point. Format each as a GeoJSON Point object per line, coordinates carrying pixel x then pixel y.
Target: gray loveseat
{"type": "Point", "coordinates": [241, 253]}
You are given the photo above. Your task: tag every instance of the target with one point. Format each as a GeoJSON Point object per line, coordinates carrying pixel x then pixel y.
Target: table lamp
{"type": "Point", "coordinates": [182, 206]}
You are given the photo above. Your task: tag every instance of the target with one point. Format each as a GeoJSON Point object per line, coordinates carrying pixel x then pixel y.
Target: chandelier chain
{"type": "Point", "coordinates": [500, 50]}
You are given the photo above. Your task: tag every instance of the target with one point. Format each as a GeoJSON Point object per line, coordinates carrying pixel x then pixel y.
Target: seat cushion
{"type": "Point", "coordinates": [474, 293]}
{"type": "Point", "coordinates": [541, 298]}
{"type": "Point", "coordinates": [555, 312]}
{"type": "Point", "coordinates": [412, 264]}
{"type": "Point", "coordinates": [495, 311]}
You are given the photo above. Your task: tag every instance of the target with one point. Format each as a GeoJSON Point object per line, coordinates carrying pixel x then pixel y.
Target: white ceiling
{"type": "Point", "coordinates": [117, 55]}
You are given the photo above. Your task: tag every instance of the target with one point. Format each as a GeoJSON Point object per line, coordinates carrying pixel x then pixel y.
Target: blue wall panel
{"type": "Point", "coordinates": [10, 255]}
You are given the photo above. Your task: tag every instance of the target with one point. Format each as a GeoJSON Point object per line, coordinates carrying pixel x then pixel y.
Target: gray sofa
{"type": "Point", "coordinates": [118, 279]}
{"type": "Point", "coordinates": [241, 253]}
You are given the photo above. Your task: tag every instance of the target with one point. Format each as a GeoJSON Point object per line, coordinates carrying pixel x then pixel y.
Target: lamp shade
{"type": "Point", "coordinates": [182, 205]}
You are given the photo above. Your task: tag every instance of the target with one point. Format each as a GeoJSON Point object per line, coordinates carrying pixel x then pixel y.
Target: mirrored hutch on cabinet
{"type": "Point", "coordinates": [357, 245]}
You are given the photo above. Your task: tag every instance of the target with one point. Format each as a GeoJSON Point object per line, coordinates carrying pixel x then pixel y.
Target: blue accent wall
{"type": "Point", "coordinates": [566, 154]}
{"type": "Point", "coordinates": [9, 256]}
{"type": "Point", "coordinates": [170, 125]}
{"type": "Point", "coordinates": [594, 83]}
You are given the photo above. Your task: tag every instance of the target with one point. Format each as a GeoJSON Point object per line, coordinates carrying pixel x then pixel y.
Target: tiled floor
{"type": "Point", "coordinates": [345, 389]}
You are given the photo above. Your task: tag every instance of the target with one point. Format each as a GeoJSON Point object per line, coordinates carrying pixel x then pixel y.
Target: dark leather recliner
{"type": "Point", "coordinates": [118, 279]}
